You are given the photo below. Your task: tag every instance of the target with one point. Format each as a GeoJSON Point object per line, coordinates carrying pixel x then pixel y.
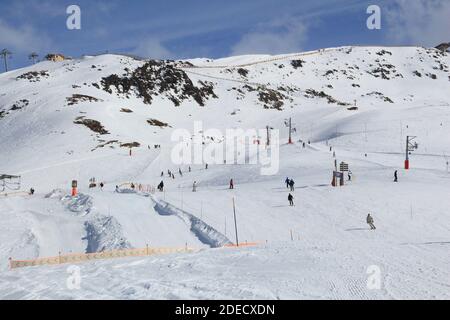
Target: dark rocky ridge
{"type": "Point", "coordinates": [159, 78]}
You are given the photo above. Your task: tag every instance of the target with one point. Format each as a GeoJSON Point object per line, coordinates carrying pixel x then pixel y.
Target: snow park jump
{"type": "Point", "coordinates": [255, 162]}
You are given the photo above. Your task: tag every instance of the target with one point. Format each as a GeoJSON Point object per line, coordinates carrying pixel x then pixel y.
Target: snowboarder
{"type": "Point", "coordinates": [370, 222]}
{"type": "Point", "coordinates": [396, 176]}
{"type": "Point", "coordinates": [231, 184]}
{"type": "Point", "coordinates": [288, 182]}
{"type": "Point", "coordinates": [194, 186]}
{"type": "Point", "coordinates": [292, 184]}
{"type": "Point", "coordinates": [291, 200]}
{"type": "Point", "coordinates": [31, 191]}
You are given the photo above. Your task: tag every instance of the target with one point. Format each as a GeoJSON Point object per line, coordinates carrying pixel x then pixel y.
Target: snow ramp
{"type": "Point", "coordinates": [204, 232]}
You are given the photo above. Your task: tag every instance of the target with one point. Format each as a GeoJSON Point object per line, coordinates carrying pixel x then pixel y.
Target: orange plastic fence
{"type": "Point", "coordinates": [82, 257]}
{"type": "Point", "coordinates": [245, 244]}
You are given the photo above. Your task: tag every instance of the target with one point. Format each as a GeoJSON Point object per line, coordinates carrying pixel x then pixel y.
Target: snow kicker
{"type": "Point", "coordinates": [204, 232]}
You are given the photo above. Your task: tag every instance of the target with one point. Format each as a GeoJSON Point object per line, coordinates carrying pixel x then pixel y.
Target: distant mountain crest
{"type": "Point", "coordinates": [444, 47]}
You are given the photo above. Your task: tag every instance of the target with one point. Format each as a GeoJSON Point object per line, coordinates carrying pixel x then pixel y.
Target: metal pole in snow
{"type": "Point", "coordinates": [290, 130]}
{"type": "Point", "coordinates": [225, 226]}
{"type": "Point", "coordinates": [235, 222]}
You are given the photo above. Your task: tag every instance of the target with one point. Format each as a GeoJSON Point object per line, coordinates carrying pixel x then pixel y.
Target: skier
{"type": "Point", "coordinates": [288, 182]}
{"type": "Point", "coordinates": [162, 173]}
{"type": "Point", "coordinates": [180, 172]}
{"type": "Point", "coordinates": [231, 184]}
{"type": "Point", "coordinates": [101, 185]}
{"type": "Point", "coordinates": [291, 200]}
{"type": "Point", "coordinates": [117, 189]}
{"type": "Point", "coordinates": [292, 184]}
{"type": "Point", "coordinates": [396, 176]}
{"type": "Point", "coordinates": [31, 191]}
{"type": "Point", "coordinates": [194, 186]}
{"type": "Point", "coordinates": [349, 175]}
{"type": "Point", "coordinates": [206, 167]}
{"type": "Point", "coordinates": [173, 176]}
{"type": "Point", "coordinates": [161, 186]}
{"type": "Point", "coordinates": [132, 186]}
{"type": "Point", "coordinates": [190, 169]}
{"type": "Point", "coordinates": [370, 222]}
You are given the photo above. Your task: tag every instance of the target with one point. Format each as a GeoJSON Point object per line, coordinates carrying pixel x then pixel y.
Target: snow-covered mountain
{"type": "Point", "coordinates": [77, 119]}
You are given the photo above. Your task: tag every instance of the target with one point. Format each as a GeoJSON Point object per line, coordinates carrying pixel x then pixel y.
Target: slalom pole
{"type": "Point", "coordinates": [235, 222]}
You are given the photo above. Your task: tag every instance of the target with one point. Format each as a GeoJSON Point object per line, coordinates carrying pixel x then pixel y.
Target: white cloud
{"type": "Point", "coordinates": [152, 48]}
{"type": "Point", "coordinates": [419, 22]}
{"type": "Point", "coordinates": [275, 38]}
{"type": "Point", "coordinates": [22, 39]}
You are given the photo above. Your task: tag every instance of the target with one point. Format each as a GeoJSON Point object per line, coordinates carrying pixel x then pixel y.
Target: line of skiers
{"type": "Point", "coordinates": [180, 172]}
{"type": "Point", "coordinates": [290, 184]}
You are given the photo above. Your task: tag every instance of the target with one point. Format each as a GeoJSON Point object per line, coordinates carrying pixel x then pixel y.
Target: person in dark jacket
{"type": "Point", "coordinates": [291, 200]}
{"type": "Point", "coordinates": [231, 184]}
{"type": "Point", "coordinates": [370, 222]}
{"type": "Point", "coordinates": [287, 181]}
{"type": "Point", "coordinates": [161, 186]}
{"type": "Point", "coordinates": [292, 184]}
{"type": "Point", "coordinates": [396, 176]}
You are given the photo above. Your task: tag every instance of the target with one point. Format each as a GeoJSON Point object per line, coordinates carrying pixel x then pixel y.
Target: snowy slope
{"type": "Point", "coordinates": [396, 91]}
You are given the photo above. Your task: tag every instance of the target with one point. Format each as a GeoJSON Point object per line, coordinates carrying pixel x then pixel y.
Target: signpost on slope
{"type": "Point", "coordinates": [344, 167]}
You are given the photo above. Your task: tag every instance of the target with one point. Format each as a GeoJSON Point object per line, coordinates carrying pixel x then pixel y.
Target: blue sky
{"type": "Point", "coordinates": [199, 28]}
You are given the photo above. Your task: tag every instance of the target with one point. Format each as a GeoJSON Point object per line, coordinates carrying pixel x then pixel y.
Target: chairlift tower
{"type": "Point", "coordinates": [410, 147]}
{"type": "Point", "coordinates": [288, 123]}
